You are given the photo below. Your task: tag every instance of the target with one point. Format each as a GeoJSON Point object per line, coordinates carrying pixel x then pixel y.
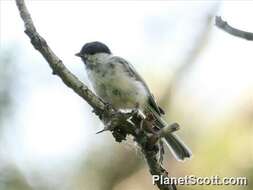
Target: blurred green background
{"type": "Point", "coordinates": [201, 75]}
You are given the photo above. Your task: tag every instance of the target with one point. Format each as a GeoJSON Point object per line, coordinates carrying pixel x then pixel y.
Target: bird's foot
{"type": "Point", "coordinates": [148, 124]}
{"type": "Point", "coordinates": [136, 112]}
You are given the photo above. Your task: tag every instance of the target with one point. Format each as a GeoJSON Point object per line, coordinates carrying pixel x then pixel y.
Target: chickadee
{"type": "Point", "coordinates": [118, 83]}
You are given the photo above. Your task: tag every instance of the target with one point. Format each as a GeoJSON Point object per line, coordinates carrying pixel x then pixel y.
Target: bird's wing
{"type": "Point", "coordinates": [133, 73]}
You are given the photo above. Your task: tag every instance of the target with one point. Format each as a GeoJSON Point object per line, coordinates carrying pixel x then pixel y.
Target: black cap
{"type": "Point", "coordinates": [92, 48]}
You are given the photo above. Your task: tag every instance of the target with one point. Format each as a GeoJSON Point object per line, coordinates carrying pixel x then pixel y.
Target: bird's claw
{"type": "Point", "coordinates": [136, 112]}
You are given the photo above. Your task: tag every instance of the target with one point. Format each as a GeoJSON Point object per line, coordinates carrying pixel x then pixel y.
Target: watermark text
{"type": "Point", "coordinates": [194, 180]}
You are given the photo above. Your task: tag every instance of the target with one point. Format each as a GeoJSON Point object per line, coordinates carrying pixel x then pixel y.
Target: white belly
{"type": "Point", "coordinates": [118, 89]}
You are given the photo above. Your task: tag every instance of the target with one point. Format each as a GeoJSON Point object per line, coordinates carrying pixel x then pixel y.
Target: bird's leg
{"type": "Point", "coordinates": [138, 114]}
{"type": "Point", "coordinates": [148, 123]}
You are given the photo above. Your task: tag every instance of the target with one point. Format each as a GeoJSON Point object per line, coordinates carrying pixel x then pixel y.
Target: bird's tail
{"type": "Point", "coordinates": [177, 147]}
{"type": "Point", "coordinates": [175, 144]}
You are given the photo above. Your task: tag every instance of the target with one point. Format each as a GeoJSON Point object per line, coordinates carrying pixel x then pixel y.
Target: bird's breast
{"type": "Point", "coordinates": [117, 88]}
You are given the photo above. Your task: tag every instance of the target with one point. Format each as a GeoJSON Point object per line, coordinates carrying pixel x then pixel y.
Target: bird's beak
{"type": "Point", "coordinates": [78, 54]}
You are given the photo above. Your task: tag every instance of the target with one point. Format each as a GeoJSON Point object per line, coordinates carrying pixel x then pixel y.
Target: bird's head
{"type": "Point", "coordinates": [92, 48]}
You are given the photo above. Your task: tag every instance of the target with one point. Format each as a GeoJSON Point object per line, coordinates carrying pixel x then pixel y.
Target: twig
{"type": "Point", "coordinates": [223, 25]}
{"type": "Point", "coordinates": [117, 121]}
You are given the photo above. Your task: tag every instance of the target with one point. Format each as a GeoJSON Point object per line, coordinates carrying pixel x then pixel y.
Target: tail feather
{"type": "Point", "coordinates": [177, 147]}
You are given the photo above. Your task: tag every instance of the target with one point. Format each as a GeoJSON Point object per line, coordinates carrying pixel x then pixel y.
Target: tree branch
{"type": "Point", "coordinates": [54, 62]}
{"type": "Point", "coordinates": [223, 25]}
{"type": "Point", "coordinates": [115, 121]}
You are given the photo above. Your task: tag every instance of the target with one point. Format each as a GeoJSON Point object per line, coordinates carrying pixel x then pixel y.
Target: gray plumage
{"type": "Point", "coordinates": [118, 83]}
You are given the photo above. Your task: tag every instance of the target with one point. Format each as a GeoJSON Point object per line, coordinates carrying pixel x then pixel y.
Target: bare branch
{"type": "Point", "coordinates": [223, 25]}
{"type": "Point", "coordinates": [54, 62]}
{"type": "Point", "coordinates": [117, 121]}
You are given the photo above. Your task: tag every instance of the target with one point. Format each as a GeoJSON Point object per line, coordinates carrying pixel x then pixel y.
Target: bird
{"type": "Point", "coordinates": [117, 83]}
